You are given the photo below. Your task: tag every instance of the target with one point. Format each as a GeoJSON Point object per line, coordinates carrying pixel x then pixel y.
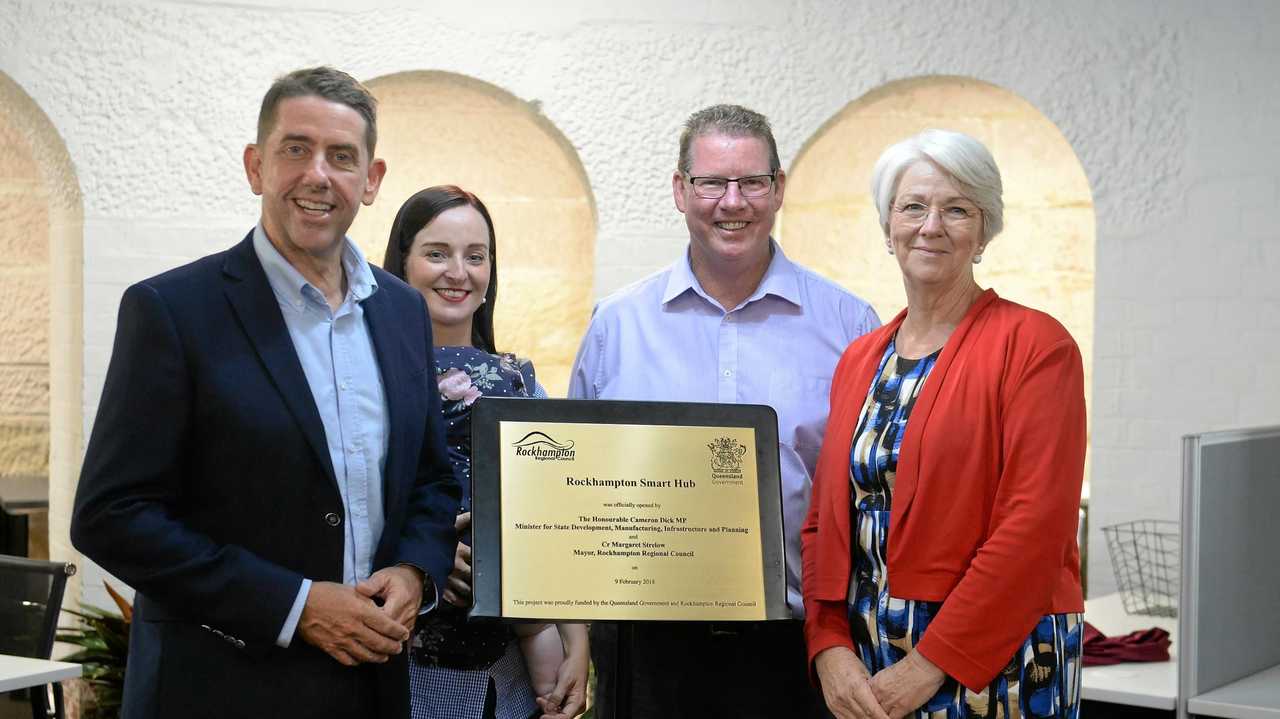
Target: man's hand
{"type": "Point", "coordinates": [907, 685]}
{"type": "Point", "coordinates": [846, 686]}
{"type": "Point", "coordinates": [457, 590]}
{"type": "Point", "coordinates": [398, 589]}
{"type": "Point", "coordinates": [569, 698]}
{"type": "Point", "coordinates": [348, 626]}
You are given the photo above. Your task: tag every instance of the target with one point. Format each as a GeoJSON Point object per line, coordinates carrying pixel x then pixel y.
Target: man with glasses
{"type": "Point", "coordinates": [735, 321]}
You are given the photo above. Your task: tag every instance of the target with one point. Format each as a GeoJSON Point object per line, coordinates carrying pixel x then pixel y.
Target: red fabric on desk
{"type": "Point", "coordinates": [1144, 645]}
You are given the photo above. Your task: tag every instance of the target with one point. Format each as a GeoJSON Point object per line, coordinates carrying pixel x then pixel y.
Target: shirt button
{"type": "Point", "coordinates": [332, 519]}
{"type": "Point", "coordinates": [728, 373]}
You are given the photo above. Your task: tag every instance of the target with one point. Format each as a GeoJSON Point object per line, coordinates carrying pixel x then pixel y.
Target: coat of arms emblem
{"type": "Point", "coordinates": [726, 454]}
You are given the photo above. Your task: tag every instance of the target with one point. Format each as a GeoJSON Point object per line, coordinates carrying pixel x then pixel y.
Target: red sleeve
{"type": "Point", "coordinates": [1012, 576]}
{"type": "Point", "coordinates": [826, 625]}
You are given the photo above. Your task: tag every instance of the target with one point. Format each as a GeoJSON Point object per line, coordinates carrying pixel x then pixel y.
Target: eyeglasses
{"type": "Point", "coordinates": [951, 215]}
{"type": "Point", "coordinates": [713, 188]}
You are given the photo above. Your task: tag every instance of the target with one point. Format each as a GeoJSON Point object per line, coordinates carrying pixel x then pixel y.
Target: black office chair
{"type": "Point", "coordinates": [30, 601]}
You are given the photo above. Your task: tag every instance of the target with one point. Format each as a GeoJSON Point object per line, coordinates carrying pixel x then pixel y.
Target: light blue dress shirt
{"type": "Point", "coordinates": [664, 338]}
{"type": "Point", "coordinates": [338, 359]}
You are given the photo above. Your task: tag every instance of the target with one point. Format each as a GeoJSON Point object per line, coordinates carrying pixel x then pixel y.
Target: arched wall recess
{"type": "Point", "coordinates": [1044, 258]}
{"type": "Point", "coordinates": [41, 289]}
{"type": "Point", "coordinates": [443, 128]}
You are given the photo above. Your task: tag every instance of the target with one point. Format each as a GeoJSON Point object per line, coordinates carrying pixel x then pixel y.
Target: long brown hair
{"type": "Point", "coordinates": [416, 213]}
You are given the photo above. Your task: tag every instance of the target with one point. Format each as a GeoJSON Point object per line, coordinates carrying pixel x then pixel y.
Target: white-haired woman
{"type": "Point", "coordinates": [941, 572]}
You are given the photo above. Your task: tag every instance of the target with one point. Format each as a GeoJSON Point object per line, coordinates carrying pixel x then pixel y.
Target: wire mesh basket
{"type": "Point", "coordinates": [1145, 559]}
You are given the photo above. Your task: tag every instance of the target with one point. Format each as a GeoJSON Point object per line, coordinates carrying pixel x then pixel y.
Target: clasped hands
{"type": "Point", "coordinates": [568, 699]}
{"type": "Point", "coordinates": [852, 693]}
{"type": "Point", "coordinates": [367, 623]}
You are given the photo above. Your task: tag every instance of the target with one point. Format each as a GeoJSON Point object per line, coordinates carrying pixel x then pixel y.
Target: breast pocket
{"type": "Point", "coordinates": [802, 402]}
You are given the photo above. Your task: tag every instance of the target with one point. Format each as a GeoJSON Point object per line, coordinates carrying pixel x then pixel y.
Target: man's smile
{"type": "Point", "coordinates": [313, 207]}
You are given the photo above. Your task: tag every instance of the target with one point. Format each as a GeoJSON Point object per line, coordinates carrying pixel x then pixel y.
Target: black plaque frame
{"type": "Point", "coordinates": [486, 478]}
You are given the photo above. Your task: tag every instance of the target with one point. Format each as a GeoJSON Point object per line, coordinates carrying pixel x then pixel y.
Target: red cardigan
{"type": "Point", "coordinates": [986, 496]}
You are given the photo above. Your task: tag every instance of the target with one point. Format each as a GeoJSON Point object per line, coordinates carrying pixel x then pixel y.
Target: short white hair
{"type": "Point", "coordinates": [968, 162]}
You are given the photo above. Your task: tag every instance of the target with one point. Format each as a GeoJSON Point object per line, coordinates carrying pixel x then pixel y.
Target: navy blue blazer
{"type": "Point", "coordinates": [207, 486]}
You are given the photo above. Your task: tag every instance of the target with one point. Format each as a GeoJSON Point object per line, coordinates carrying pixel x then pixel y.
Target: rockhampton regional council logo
{"type": "Point", "coordinates": [726, 458]}
{"type": "Point", "coordinates": [542, 447]}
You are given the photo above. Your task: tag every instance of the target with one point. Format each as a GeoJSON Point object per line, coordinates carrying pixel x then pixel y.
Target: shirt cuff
{"type": "Point", "coordinates": [429, 597]}
{"type": "Point", "coordinates": [430, 600]}
{"type": "Point", "coordinates": [295, 614]}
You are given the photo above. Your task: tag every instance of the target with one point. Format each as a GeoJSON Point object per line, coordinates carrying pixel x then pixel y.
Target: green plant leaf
{"type": "Point", "coordinates": [103, 638]}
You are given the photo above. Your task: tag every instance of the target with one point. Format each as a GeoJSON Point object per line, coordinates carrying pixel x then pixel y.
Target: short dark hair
{"type": "Point", "coordinates": [416, 213]}
{"type": "Point", "coordinates": [731, 120]}
{"type": "Point", "coordinates": [324, 82]}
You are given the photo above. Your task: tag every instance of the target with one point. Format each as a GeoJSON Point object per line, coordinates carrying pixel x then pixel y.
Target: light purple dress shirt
{"type": "Point", "coordinates": [338, 359]}
{"type": "Point", "coordinates": [664, 338]}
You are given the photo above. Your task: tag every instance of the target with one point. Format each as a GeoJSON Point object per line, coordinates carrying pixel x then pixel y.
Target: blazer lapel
{"type": "Point", "coordinates": [841, 424]}
{"type": "Point", "coordinates": [907, 479]}
{"type": "Point", "coordinates": [258, 312]}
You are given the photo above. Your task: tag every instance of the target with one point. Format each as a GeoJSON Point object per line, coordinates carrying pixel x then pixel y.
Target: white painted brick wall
{"type": "Point", "coordinates": [1169, 105]}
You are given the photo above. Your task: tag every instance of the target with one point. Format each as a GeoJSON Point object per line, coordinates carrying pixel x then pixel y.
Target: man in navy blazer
{"type": "Point", "coordinates": [267, 468]}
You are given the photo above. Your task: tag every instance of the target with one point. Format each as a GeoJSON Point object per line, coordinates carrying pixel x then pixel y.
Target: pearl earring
{"type": "Point", "coordinates": [977, 259]}
{"type": "Point", "coordinates": [890, 248]}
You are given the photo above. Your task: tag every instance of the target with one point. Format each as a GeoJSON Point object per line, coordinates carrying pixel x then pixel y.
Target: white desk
{"type": "Point", "coordinates": [20, 672]}
{"type": "Point", "coordinates": [1143, 684]}
{"type": "Point", "coordinates": [1254, 697]}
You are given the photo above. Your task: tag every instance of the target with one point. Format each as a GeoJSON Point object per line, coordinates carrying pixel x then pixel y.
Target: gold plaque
{"type": "Point", "coordinates": [623, 520]}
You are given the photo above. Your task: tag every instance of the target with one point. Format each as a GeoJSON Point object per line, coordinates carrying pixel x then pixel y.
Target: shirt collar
{"type": "Point", "coordinates": [289, 285]}
{"type": "Point", "coordinates": [779, 279]}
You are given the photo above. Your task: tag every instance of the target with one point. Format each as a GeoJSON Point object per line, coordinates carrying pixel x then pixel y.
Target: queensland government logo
{"type": "Point", "coordinates": [542, 447]}
{"type": "Point", "coordinates": [726, 458]}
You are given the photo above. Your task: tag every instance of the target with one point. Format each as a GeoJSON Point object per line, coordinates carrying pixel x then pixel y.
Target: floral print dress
{"type": "Point", "coordinates": [461, 669]}
{"type": "Point", "coordinates": [1042, 678]}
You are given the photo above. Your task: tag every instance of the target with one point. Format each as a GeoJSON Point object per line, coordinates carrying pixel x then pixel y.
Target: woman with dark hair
{"type": "Point", "coordinates": [442, 243]}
